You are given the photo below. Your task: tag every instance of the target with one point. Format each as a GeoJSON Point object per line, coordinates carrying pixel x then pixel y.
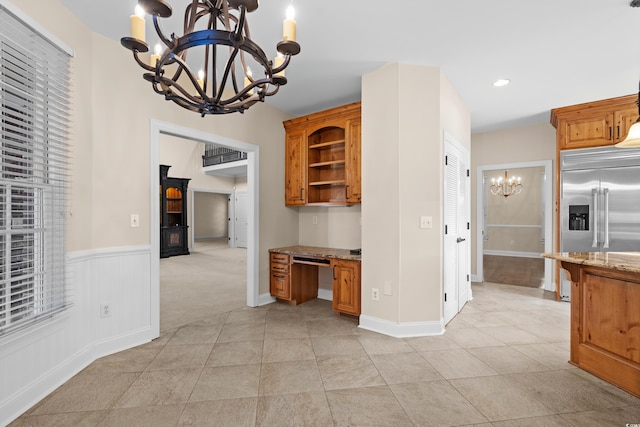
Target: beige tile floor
{"type": "Point", "coordinates": [501, 362]}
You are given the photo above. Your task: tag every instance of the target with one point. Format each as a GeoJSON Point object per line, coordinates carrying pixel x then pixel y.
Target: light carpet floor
{"type": "Point", "coordinates": [212, 279]}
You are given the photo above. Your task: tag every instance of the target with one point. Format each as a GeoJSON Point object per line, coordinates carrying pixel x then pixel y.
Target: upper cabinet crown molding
{"type": "Point", "coordinates": [322, 158]}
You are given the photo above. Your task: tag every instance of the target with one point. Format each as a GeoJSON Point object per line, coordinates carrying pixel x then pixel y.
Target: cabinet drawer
{"type": "Point", "coordinates": [279, 258]}
{"type": "Point", "coordinates": [278, 268]}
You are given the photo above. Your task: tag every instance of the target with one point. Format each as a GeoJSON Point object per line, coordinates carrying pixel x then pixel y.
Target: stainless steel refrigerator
{"type": "Point", "coordinates": [600, 202]}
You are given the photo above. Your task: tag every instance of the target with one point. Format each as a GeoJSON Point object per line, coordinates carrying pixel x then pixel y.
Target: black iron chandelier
{"type": "Point", "coordinates": [225, 83]}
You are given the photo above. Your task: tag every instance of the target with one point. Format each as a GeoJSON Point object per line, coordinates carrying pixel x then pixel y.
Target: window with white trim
{"type": "Point", "coordinates": [34, 120]}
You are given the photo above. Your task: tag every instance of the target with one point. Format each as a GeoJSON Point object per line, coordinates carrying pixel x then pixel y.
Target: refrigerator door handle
{"type": "Point", "coordinates": [594, 193]}
{"type": "Point", "coordinates": [606, 218]}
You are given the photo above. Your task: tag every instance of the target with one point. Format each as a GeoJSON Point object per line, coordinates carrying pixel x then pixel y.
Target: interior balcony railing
{"type": "Point", "coordinates": [215, 154]}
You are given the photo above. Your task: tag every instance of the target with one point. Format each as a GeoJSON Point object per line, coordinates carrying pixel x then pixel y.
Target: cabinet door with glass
{"type": "Point", "coordinates": [173, 215]}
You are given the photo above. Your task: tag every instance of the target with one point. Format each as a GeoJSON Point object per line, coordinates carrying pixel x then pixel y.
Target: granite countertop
{"type": "Point", "coordinates": [313, 251]}
{"type": "Point", "coordinates": [621, 261]}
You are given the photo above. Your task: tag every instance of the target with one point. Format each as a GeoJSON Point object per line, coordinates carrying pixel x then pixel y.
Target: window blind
{"type": "Point", "coordinates": [34, 109]}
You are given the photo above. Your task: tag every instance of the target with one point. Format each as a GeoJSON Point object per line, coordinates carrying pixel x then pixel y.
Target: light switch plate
{"type": "Point", "coordinates": [426, 222]}
{"type": "Point", "coordinates": [134, 220]}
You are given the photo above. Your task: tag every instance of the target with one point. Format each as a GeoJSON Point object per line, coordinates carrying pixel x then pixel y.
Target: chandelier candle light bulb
{"type": "Point", "coordinates": [247, 80]}
{"type": "Point", "coordinates": [155, 57]}
{"type": "Point", "coordinates": [289, 25]}
{"type": "Point", "coordinates": [137, 24]}
{"type": "Point", "coordinates": [277, 62]}
{"type": "Point", "coordinates": [201, 79]}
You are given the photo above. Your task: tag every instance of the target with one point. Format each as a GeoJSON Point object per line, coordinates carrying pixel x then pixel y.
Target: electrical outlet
{"type": "Point", "coordinates": [314, 219]}
{"type": "Point", "coordinates": [134, 220]}
{"type": "Point", "coordinates": [375, 294]}
{"type": "Point", "coordinates": [105, 310]}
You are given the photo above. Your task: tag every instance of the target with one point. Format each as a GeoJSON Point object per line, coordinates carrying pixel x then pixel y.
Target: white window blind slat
{"type": "Point", "coordinates": [34, 128]}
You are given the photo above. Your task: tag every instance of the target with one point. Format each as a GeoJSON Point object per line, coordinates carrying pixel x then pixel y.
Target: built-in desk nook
{"type": "Point", "coordinates": [294, 276]}
{"type": "Point", "coordinates": [605, 314]}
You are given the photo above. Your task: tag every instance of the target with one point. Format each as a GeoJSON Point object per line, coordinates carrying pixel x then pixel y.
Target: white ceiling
{"type": "Point", "coordinates": [556, 52]}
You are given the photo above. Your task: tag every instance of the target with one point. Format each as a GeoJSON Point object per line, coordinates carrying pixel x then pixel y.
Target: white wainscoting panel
{"type": "Point", "coordinates": [36, 361]}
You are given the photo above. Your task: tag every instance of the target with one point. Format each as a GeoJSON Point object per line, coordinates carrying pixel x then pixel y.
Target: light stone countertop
{"type": "Point", "coordinates": [317, 252]}
{"type": "Point", "coordinates": [621, 261]}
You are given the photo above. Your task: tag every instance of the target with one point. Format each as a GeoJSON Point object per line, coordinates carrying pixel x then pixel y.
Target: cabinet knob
{"type": "Point", "coordinates": [301, 191]}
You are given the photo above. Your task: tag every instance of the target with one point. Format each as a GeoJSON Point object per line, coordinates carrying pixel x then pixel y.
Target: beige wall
{"type": "Point", "coordinates": [241, 183]}
{"type": "Point", "coordinates": [524, 210]}
{"type": "Point", "coordinates": [210, 215]}
{"type": "Point", "coordinates": [185, 158]}
{"type": "Point", "coordinates": [517, 145]}
{"type": "Point", "coordinates": [110, 171]}
{"type": "Point", "coordinates": [402, 178]}
{"type": "Point", "coordinates": [335, 227]}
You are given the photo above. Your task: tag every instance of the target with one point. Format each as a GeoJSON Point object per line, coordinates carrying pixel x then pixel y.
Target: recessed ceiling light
{"type": "Point", "coordinates": [501, 82]}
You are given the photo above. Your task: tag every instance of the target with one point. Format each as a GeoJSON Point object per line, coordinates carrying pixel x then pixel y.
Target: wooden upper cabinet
{"type": "Point", "coordinates": [623, 120]}
{"type": "Point", "coordinates": [594, 124]}
{"type": "Point", "coordinates": [295, 167]}
{"type": "Point", "coordinates": [327, 147]}
{"type": "Point", "coordinates": [353, 177]}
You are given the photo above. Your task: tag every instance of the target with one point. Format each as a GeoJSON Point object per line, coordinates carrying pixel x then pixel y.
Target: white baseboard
{"type": "Point", "coordinates": [325, 294]}
{"type": "Point", "coordinates": [401, 330]}
{"type": "Point", "coordinates": [512, 253]}
{"type": "Point", "coordinates": [475, 278]}
{"type": "Point", "coordinates": [265, 299]}
{"type": "Point", "coordinates": [217, 236]}
{"type": "Point", "coordinates": [33, 392]}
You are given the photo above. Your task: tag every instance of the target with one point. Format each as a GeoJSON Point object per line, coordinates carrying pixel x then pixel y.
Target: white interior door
{"type": "Point", "coordinates": [456, 238]}
{"type": "Point", "coordinates": [464, 224]}
{"type": "Point", "coordinates": [231, 222]}
{"type": "Point", "coordinates": [242, 221]}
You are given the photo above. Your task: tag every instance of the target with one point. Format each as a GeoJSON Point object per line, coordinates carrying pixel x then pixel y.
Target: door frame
{"type": "Point", "coordinates": [549, 283]}
{"type": "Point", "coordinates": [158, 128]}
{"type": "Point", "coordinates": [466, 155]}
{"type": "Point", "coordinates": [230, 195]}
{"type": "Point", "coordinates": [235, 216]}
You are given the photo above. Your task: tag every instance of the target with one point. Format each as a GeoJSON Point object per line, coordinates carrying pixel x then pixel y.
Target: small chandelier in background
{"type": "Point", "coordinates": [225, 83]}
{"type": "Point", "coordinates": [507, 186]}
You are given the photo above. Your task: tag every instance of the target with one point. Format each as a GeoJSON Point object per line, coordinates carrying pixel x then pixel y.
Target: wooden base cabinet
{"type": "Point", "coordinates": [605, 324]}
{"type": "Point", "coordinates": [294, 283]}
{"type": "Point", "coordinates": [280, 282]}
{"type": "Point", "coordinates": [294, 276]}
{"type": "Point", "coordinates": [346, 286]}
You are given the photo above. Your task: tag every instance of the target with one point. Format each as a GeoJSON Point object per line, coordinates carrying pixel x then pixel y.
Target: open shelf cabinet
{"type": "Point", "coordinates": [323, 158]}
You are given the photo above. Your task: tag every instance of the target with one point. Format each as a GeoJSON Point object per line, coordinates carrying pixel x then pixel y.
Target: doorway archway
{"type": "Point", "coordinates": [549, 285]}
{"type": "Point", "coordinates": [158, 128]}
